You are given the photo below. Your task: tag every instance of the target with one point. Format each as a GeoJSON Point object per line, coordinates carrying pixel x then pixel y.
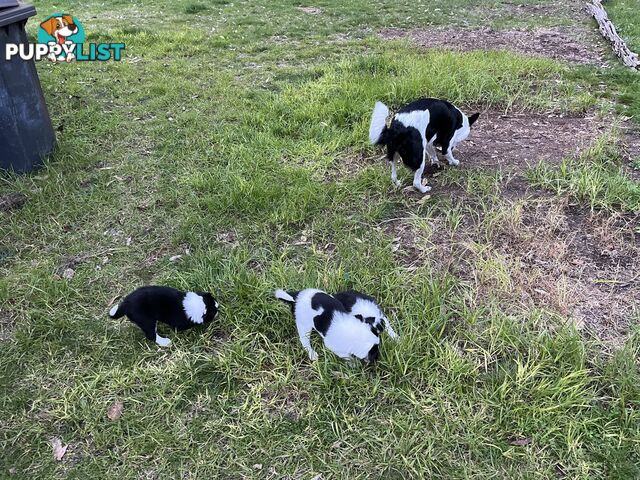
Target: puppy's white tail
{"type": "Point", "coordinates": [378, 122]}
{"type": "Point", "coordinates": [115, 311]}
{"type": "Point", "coordinates": [284, 296]}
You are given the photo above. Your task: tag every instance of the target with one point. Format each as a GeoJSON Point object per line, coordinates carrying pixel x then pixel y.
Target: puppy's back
{"type": "Point", "coordinates": [157, 301]}
{"type": "Point", "coordinates": [315, 309]}
{"type": "Point", "coordinates": [350, 297]}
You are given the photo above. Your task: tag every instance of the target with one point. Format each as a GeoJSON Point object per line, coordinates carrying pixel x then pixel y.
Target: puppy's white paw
{"type": "Point", "coordinates": [313, 355]}
{"type": "Point", "coordinates": [163, 342]}
{"type": "Point", "coordinates": [422, 188]}
{"type": "Point", "coordinates": [397, 183]}
{"type": "Point", "coordinates": [353, 363]}
{"type": "Point", "coordinates": [454, 162]}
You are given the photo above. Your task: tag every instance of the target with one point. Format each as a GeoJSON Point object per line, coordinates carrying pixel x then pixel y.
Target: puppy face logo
{"type": "Point", "coordinates": [60, 27]}
{"type": "Point", "coordinates": [64, 30]}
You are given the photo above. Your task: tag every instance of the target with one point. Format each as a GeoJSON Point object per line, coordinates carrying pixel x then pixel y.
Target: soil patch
{"type": "Point", "coordinates": [575, 44]}
{"type": "Point", "coordinates": [12, 201]}
{"type": "Point", "coordinates": [519, 141]}
{"type": "Point", "coordinates": [310, 10]}
{"type": "Point", "coordinates": [6, 325]}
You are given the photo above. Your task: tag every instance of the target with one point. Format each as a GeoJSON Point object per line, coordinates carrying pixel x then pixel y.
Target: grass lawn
{"type": "Point", "coordinates": [228, 152]}
{"type": "Point", "coordinates": [625, 15]}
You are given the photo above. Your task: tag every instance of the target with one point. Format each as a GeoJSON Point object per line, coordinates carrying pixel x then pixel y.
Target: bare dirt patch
{"type": "Point", "coordinates": [7, 325]}
{"type": "Point", "coordinates": [12, 201]}
{"type": "Point", "coordinates": [520, 140]}
{"type": "Point", "coordinates": [575, 44]}
{"type": "Point", "coordinates": [310, 10]}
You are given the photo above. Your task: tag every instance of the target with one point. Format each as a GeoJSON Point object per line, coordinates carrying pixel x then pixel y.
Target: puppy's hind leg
{"type": "Point", "coordinates": [417, 177]}
{"type": "Point", "coordinates": [431, 150]}
{"type": "Point", "coordinates": [394, 172]}
{"type": "Point", "coordinates": [449, 154]}
{"type": "Point", "coordinates": [451, 159]}
{"type": "Point", "coordinates": [304, 332]}
{"type": "Point", "coordinates": [150, 328]}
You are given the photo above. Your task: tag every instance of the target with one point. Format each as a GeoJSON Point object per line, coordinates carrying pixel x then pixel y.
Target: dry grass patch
{"type": "Point", "coordinates": [539, 253]}
{"type": "Point", "coordinates": [287, 403]}
{"type": "Point", "coordinates": [351, 163]}
{"type": "Point", "coordinates": [576, 45]}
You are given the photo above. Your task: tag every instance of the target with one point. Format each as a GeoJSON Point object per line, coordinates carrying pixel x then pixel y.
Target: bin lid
{"type": "Point", "coordinates": [12, 11]}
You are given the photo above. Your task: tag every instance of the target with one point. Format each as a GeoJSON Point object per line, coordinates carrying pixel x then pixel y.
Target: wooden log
{"type": "Point", "coordinates": [608, 30]}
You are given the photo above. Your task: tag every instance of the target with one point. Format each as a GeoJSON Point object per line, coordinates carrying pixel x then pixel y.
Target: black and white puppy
{"type": "Point", "coordinates": [366, 309]}
{"type": "Point", "coordinates": [415, 131]}
{"type": "Point", "coordinates": [343, 333]}
{"type": "Point", "coordinates": [149, 305]}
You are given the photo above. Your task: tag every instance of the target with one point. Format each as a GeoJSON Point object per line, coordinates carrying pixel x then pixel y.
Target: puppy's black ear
{"type": "Point", "coordinates": [387, 136]}
{"type": "Point", "coordinates": [209, 299]}
{"type": "Point", "coordinates": [393, 138]}
{"type": "Point", "coordinates": [473, 118]}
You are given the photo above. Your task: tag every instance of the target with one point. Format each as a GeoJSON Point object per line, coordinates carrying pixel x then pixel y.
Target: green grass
{"type": "Point", "coordinates": [596, 177]}
{"type": "Point", "coordinates": [193, 8]}
{"type": "Point", "coordinates": [626, 18]}
{"type": "Point", "coordinates": [227, 132]}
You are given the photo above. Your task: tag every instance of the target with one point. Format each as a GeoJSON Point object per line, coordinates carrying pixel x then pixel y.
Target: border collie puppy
{"type": "Point", "coordinates": [343, 333]}
{"type": "Point", "coordinates": [365, 309]}
{"type": "Point", "coordinates": [149, 305]}
{"type": "Point", "coordinates": [415, 131]}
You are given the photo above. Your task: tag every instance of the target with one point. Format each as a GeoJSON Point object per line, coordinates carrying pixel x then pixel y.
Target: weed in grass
{"type": "Point", "coordinates": [193, 8]}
